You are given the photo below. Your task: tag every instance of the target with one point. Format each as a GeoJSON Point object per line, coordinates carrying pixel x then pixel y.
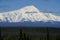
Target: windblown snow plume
{"type": "Point", "coordinates": [28, 13]}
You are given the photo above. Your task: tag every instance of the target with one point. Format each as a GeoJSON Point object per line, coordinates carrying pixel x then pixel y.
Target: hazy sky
{"type": "Point", "coordinates": [42, 5]}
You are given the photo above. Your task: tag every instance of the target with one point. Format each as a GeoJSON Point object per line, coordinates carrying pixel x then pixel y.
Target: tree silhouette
{"type": "Point", "coordinates": [23, 36]}
{"type": "Point", "coordinates": [0, 35]}
{"type": "Point", "coordinates": [20, 34]}
{"type": "Point", "coordinates": [47, 34]}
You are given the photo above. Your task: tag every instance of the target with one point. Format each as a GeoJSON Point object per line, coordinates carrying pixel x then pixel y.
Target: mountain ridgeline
{"type": "Point", "coordinates": [29, 16]}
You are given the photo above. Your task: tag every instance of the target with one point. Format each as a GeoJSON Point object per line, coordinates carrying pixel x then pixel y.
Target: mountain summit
{"type": "Point", "coordinates": [28, 14]}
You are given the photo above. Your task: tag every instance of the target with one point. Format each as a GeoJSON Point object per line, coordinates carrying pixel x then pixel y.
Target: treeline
{"type": "Point", "coordinates": [20, 35]}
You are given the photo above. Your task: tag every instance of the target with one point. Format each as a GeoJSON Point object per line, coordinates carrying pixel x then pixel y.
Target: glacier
{"type": "Point", "coordinates": [28, 14]}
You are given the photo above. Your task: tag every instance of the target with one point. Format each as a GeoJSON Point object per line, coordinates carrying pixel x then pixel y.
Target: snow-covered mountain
{"type": "Point", "coordinates": [28, 14]}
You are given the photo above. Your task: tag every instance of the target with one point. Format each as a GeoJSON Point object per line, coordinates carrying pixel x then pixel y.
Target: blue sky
{"type": "Point", "coordinates": [42, 5]}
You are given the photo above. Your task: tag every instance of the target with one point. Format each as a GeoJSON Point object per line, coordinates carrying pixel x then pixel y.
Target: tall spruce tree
{"type": "Point", "coordinates": [20, 34]}
{"type": "Point", "coordinates": [0, 35]}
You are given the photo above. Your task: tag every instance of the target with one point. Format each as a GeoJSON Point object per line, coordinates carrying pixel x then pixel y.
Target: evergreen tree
{"type": "Point", "coordinates": [24, 36]}
{"type": "Point", "coordinates": [0, 35]}
{"type": "Point", "coordinates": [20, 34]}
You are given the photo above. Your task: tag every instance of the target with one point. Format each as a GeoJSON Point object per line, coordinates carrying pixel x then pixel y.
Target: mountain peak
{"type": "Point", "coordinates": [30, 8]}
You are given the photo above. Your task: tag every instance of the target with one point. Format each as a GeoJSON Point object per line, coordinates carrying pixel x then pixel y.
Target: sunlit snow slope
{"type": "Point", "coordinates": [28, 14]}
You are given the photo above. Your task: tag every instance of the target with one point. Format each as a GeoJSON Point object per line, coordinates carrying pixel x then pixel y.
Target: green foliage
{"type": "Point", "coordinates": [58, 37]}
{"type": "Point", "coordinates": [30, 34]}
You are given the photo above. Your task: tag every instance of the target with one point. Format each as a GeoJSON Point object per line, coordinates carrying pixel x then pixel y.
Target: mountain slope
{"type": "Point", "coordinates": [28, 14]}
